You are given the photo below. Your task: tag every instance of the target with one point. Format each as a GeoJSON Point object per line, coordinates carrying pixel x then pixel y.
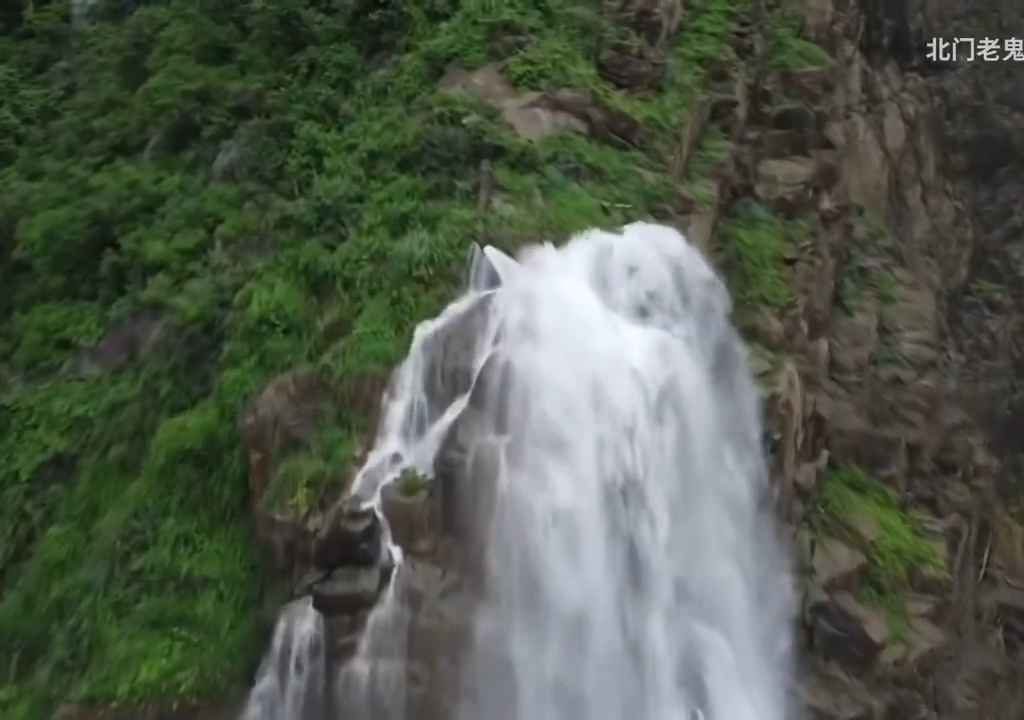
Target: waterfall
{"type": "Point", "coordinates": [612, 481]}
{"type": "Point", "coordinates": [290, 682]}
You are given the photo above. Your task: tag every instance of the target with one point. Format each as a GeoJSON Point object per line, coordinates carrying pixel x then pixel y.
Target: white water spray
{"type": "Point", "coordinates": [631, 566]}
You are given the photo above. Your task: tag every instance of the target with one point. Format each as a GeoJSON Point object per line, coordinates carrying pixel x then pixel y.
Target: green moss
{"type": "Point", "coordinates": [712, 149]}
{"type": "Point", "coordinates": [412, 483]}
{"type": "Point", "coordinates": [901, 546]}
{"type": "Point", "coordinates": [755, 243]}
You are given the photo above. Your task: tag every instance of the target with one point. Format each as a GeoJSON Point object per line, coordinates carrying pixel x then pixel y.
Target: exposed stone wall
{"type": "Point", "coordinates": [917, 381]}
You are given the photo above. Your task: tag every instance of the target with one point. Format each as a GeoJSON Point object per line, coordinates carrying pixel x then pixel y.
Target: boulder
{"type": "Point", "coordinates": [351, 535]}
{"type": "Point", "coordinates": [348, 590]}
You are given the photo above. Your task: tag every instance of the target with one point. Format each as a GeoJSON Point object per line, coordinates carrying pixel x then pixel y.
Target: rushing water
{"type": "Point", "coordinates": [291, 681]}
{"type": "Point", "coordinates": [632, 568]}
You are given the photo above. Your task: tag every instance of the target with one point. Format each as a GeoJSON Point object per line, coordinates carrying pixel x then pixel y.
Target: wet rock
{"type": "Point", "coordinates": [925, 641]}
{"type": "Point", "coordinates": [410, 513]}
{"type": "Point", "coordinates": [836, 564]}
{"type": "Point", "coordinates": [347, 590]}
{"type": "Point", "coordinates": [838, 634]}
{"type": "Point", "coordinates": [873, 620]}
{"type": "Point", "coordinates": [350, 536]}
{"type": "Point", "coordinates": [467, 463]}
{"type": "Point", "coordinates": [765, 327]}
{"type": "Point", "coordinates": [830, 694]}
{"type": "Point", "coordinates": [450, 353]}
{"type": "Point", "coordinates": [304, 586]}
{"type": "Point", "coordinates": [784, 414]}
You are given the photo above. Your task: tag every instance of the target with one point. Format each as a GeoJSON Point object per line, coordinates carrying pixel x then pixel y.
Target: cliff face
{"type": "Point", "coordinates": [917, 383]}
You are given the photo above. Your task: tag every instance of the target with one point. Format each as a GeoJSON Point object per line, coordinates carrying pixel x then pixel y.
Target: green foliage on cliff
{"type": "Point", "coordinates": [221, 191]}
{"type": "Point", "coordinates": [850, 499]}
{"type": "Point", "coordinates": [900, 545]}
{"type": "Point", "coordinates": [755, 243]}
{"type": "Point", "coordinates": [788, 50]}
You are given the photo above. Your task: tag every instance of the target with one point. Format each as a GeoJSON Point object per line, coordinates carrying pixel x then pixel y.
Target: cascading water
{"type": "Point", "coordinates": [291, 680]}
{"type": "Point", "coordinates": [630, 562]}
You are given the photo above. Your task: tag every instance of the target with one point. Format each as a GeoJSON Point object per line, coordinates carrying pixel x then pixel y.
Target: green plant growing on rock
{"type": "Point", "coordinates": [713, 147]}
{"type": "Point", "coordinates": [755, 244]}
{"type": "Point", "coordinates": [412, 483]}
{"type": "Point", "coordinates": [850, 499]}
{"type": "Point", "coordinates": [788, 50]}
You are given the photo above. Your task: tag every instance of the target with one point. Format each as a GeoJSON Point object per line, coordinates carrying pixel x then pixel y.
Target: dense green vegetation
{"type": "Point", "coordinates": [281, 185]}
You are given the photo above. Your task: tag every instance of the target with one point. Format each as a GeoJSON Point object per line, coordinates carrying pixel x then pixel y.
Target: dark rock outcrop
{"type": "Point", "coordinates": [350, 536]}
